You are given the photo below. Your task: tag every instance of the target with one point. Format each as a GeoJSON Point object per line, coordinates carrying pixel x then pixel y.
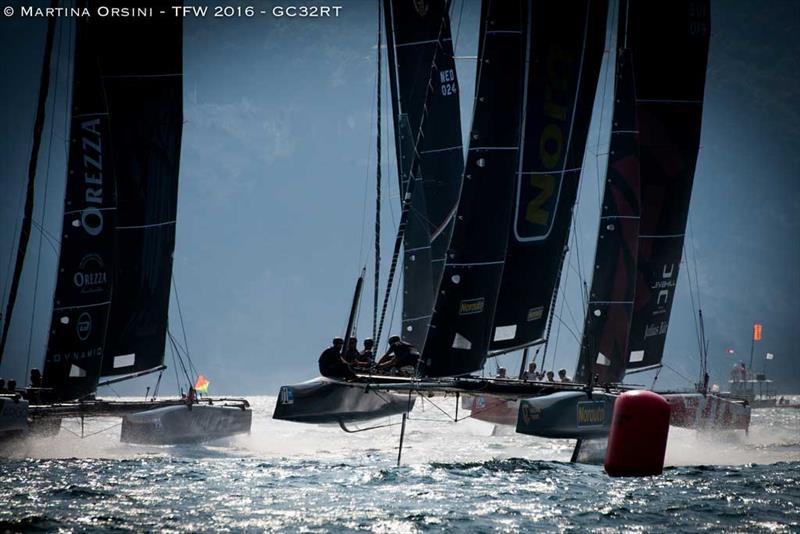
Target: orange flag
{"type": "Point", "coordinates": [756, 332]}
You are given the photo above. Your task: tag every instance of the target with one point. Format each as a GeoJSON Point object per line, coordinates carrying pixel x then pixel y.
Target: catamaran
{"type": "Point", "coordinates": [110, 308]}
{"type": "Point", "coordinates": [482, 267]}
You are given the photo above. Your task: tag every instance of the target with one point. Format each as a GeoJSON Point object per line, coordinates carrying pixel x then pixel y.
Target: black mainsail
{"type": "Point", "coordinates": [428, 145]}
{"type": "Point", "coordinates": [144, 89]}
{"type": "Point", "coordinates": [604, 345]}
{"type": "Point", "coordinates": [460, 329]}
{"type": "Point", "coordinates": [566, 50]}
{"type": "Point", "coordinates": [670, 82]}
{"type": "Point", "coordinates": [85, 266]}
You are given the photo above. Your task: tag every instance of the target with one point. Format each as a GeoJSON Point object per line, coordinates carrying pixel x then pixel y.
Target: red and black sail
{"type": "Point", "coordinates": [669, 46]}
{"type": "Point", "coordinates": [604, 345]}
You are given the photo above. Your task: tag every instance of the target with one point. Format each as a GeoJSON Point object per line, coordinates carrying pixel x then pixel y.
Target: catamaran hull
{"type": "Point", "coordinates": [323, 400]}
{"type": "Point", "coordinates": [566, 414]}
{"type": "Point", "coordinates": [707, 412]}
{"type": "Point", "coordinates": [179, 424]}
{"type": "Point", "coordinates": [13, 415]}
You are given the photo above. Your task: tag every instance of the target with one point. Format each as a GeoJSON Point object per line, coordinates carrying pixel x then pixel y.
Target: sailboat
{"type": "Point", "coordinates": [110, 308]}
{"type": "Point", "coordinates": [538, 67]}
{"type": "Point", "coordinates": [653, 149]}
{"type": "Point", "coordinates": [469, 244]}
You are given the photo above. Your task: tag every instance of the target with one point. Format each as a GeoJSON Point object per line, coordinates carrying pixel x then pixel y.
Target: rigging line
{"type": "Point", "coordinates": [59, 38]}
{"type": "Point", "coordinates": [570, 330]}
{"type": "Point", "coordinates": [458, 29]}
{"type": "Point", "coordinates": [183, 328]}
{"type": "Point", "coordinates": [175, 367]}
{"type": "Point", "coordinates": [553, 304]}
{"type": "Point", "coordinates": [677, 372]}
{"type": "Point", "coordinates": [610, 60]}
{"type": "Point", "coordinates": [27, 214]}
{"type": "Point", "coordinates": [377, 186]}
{"type": "Point", "coordinates": [180, 360]}
{"type": "Point", "coordinates": [51, 240]}
{"type": "Point", "coordinates": [367, 180]}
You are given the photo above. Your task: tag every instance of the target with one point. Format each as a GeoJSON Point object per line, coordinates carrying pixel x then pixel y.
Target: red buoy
{"type": "Point", "coordinates": [637, 440]}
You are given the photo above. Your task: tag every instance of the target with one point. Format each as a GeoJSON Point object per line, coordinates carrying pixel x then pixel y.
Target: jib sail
{"type": "Point", "coordinates": [566, 49]}
{"type": "Point", "coordinates": [421, 52]}
{"type": "Point", "coordinates": [143, 87]}
{"type": "Point", "coordinates": [670, 81]}
{"type": "Point", "coordinates": [460, 330]}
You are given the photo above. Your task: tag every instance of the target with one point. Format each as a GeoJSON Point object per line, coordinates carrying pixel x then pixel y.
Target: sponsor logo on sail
{"type": "Point", "coordinates": [58, 357]}
{"type": "Point", "coordinates": [534, 314]}
{"type": "Point", "coordinates": [468, 307]}
{"type": "Point", "coordinates": [421, 6]}
{"type": "Point", "coordinates": [537, 194]}
{"type": "Point", "coordinates": [92, 159]}
{"type": "Point", "coordinates": [84, 326]}
{"type": "Point", "coordinates": [591, 413]}
{"type": "Point", "coordinates": [91, 275]}
{"type": "Point", "coordinates": [656, 329]}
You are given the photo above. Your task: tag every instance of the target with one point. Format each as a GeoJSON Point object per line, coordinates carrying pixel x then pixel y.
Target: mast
{"type": "Point", "coordinates": [669, 87]}
{"type": "Point", "coordinates": [462, 321]}
{"type": "Point", "coordinates": [428, 145]}
{"type": "Point", "coordinates": [377, 288]}
{"type": "Point", "coordinates": [27, 214]}
{"type": "Point", "coordinates": [604, 345]}
{"type": "Point", "coordinates": [566, 50]}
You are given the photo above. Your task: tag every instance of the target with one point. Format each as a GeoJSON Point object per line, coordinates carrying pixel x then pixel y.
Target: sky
{"type": "Point", "coordinates": [276, 193]}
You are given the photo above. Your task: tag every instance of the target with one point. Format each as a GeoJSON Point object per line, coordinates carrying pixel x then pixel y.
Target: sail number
{"type": "Point", "coordinates": [447, 78]}
{"type": "Point", "coordinates": [538, 192]}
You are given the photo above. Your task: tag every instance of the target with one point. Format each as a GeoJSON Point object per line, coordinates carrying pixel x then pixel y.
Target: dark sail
{"type": "Point", "coordinates": [566, 50]}
{"type": "Point", "coordinates": [143, 86]}
{"type": "Point", "coordinates": [670, 81]}
{"type": "Point", "coordinates": [604, 347]}
{"type": "Point", "coordinates": [417, 34]}
{"type": "Point", "coordinates": [462, 321]}
{"type": "Point", "coordinates": [85, 266]}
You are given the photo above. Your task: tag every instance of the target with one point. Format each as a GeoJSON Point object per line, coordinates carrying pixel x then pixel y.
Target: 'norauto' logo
{"type": "Point", "coordinates": [471, 306]}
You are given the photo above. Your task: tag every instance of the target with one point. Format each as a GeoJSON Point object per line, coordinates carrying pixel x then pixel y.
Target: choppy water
{"type": "Point", "coordinates": [290, 477]}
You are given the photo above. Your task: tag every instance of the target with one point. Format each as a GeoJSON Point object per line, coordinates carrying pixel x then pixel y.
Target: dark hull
{"type": "Point", "coordinates": [179, 424]}
{"type": "Point", "coordinates": [323, 400]}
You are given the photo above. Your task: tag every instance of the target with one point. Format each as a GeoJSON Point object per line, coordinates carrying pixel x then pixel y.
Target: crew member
{"type": "Point", "coordinates": [562, 376]}
{"type": "Point", "coordinates": [502, 372]}
{"type": "Point", "coordinates": [366, 358]}
{"type": "Point", "coordinates": [352, 354]}
{"type": "Point", "coordinates": [531, 373]}
{"type": "Point", "coordinates": [331, 362]}
{"type": "Point", "coordinates": [401, 356]}
{"type": "Point", "coordinates": [550, 376]}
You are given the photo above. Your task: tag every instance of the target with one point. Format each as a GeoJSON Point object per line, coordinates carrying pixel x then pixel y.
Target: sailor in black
{"type": "Point", "coordinates": [351, 355]}
{"type": "Point", "coordinates": [331, 362]}
{"type": "Point", "coordinates": [366, 358]}
{"type": "Point", "coordinates": [400, 356]}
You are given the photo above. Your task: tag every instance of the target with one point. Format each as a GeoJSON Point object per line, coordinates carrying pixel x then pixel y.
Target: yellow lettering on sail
{"type": "Point", "coordinates": [535, 213]}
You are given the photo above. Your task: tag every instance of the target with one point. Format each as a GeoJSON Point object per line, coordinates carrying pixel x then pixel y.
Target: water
{"type": "Point", "coordinates": [291, 477]}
